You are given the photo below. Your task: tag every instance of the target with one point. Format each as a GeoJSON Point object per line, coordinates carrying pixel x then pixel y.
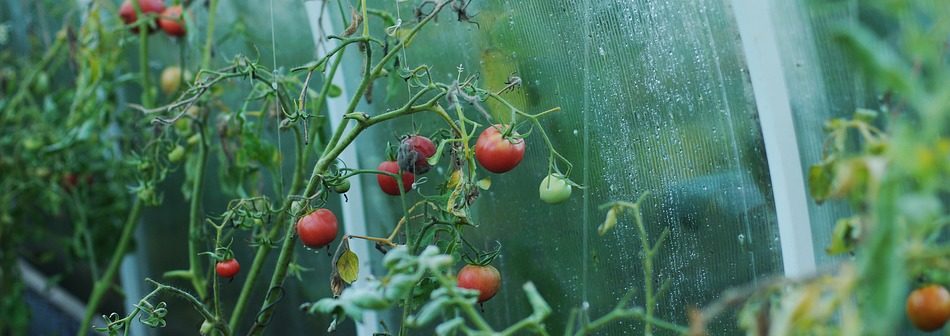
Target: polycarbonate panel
{"type": "Point", "coordinates": [823, 84]}
{"type": "Point", "coordinates": [655, 98]}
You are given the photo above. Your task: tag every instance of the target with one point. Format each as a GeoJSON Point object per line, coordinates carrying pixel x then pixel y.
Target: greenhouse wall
{"type": "Point", "coordinates": [709, 111]}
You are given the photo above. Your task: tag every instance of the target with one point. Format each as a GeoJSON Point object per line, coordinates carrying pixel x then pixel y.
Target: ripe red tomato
{"type": "Point", "coordinates": [413, 153]}
{"type": "Point", "coordinates": [317, 229]}
{"type": "Point", "coordinates": [388, 183]}
{"type": "Point", "coordinates": [127, 12]}
{"type": "Point", "coordinates": [929, 307]}
{"type": "Point", "coordinates": [171, 22]}
{"type": "Point", "coordinates": [497, 154]}
{"type": "Point", "coordinates": [228, 268]}
{"type": "Point", "coordinates": [485, 279]}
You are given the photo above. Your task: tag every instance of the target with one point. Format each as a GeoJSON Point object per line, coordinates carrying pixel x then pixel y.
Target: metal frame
{"type": "Point", "coordinates": [760, 47]}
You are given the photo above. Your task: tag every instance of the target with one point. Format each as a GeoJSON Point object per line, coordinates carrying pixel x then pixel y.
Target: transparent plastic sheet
{"type": "Point", "coordinates": [655, 98]}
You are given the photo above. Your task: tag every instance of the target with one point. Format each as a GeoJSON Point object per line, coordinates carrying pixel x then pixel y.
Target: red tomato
{"type": "Point", "coordinates": [317, 229]}
{"type": "Point", "coordinates": [413, 153]}
{"type": "Point", "coordinates": [127, 12]}
{"type": "Point", "coordinates": [485, 279]}
{"type": "Point", "coordinates": [228, 268]}
{"type": "Point", "coordinates": [171, 22]}
{"type": "Point", "coordinates": [388, 183]}
{"type": "Point", "coordinates": [497, 154]}
{"type": "Point", "coordinates": [929, 307]}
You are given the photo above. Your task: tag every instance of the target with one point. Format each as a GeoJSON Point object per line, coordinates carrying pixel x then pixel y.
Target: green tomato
{"type": "Point", "coordinates": [177, 154]}
{"type": "Point", "coordinates": [342, 187]}
{"type": "Point", "coordinates": [554, 189]}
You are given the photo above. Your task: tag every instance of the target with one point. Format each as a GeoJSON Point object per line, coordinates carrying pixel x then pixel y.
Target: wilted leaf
{"type": "Point", "coordinates": [844, 236]}
{"type": "Point", "coordinates": [348, 265]}
{"type": "Point", "coordinates": [819, 181]}
{"type": "Point", "coordinates": [609, 223]}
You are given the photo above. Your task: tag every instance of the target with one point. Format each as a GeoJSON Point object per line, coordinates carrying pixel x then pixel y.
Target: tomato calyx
{"type": "Point", "coordinates": [482, 258]}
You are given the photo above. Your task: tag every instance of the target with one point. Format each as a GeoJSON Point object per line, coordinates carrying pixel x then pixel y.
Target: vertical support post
{"type": "Point", "coordinates": [354, 218]}
{"type": "Point", "coordinates": [760, 46]}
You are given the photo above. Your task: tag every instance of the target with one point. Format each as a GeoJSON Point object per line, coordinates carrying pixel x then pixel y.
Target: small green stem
{"type": "Point", "coordinates": [647, 270]}
{"type": "Point", "coordinates": [209, 38]}
{"type": "Point", "coordinates": [620, 314]}
{"type": "Point", "coordinates": [104, 283]}
{"type": "Point", "coordinates": [194, 218]}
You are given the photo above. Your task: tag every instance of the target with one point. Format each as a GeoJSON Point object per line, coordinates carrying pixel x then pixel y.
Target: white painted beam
{"type": "Point", "coordinates": [354, 219]}
{"type": "Point", "coordinates": [760, 46]}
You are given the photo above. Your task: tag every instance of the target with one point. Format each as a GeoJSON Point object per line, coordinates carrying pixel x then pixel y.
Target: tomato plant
{"type": "Point", "coordinates": [227, 268]}
{"type": "Point", "coordinates": [484, 278]}
{"type": "Point", "coordinates": [498, 152]}
{"type": "Point", "coordinates": [928, 307]}
{"type": "Point", "coordinates": [388, 183]}
{"type": "Point", "coordinates": [318, 228]}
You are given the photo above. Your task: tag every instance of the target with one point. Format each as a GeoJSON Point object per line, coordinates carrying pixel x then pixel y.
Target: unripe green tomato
{"type": "Point", "coordinates": [183, 126]}
{"type": "Point", "coordinates": [176, 154]}
{"type": "Point", "coordinates": [554, 189]}
{"type": "Point", "coordinates": [41, 84]}
{"type": "Point", "coordinates": [342, 187]}
{"type": "Point", "coordinates": [194, 139]}
{"type": "Point", "coordinates": [147, 194]}
{"type": "Point", "coordinates": [32, 144]}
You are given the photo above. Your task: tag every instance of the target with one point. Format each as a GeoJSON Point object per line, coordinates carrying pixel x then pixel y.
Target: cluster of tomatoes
{"type": "Point", "coordinates": [168, 19]}
{"type": "Point", "coordinates": [494, 150]}
{"type": "Point", "coordinates": [928, 308]}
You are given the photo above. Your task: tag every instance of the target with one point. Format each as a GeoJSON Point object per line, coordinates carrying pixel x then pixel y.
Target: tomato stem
{"type": "Point", "coordinates": [105, 282]}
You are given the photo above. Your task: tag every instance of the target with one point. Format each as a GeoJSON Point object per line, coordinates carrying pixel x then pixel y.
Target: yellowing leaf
{"type": "Point", "coordinates": [484, 183]}
{"type": "Point", "coordinates": [454, 179]}
{"type": "Point", "coordinates": [348, 266]}
{"type": "Point", "coordinates": [609, 222]}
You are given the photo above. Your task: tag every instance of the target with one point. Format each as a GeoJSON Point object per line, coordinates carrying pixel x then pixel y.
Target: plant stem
{"type": "Point", "coordinates": [264, 248]}
{"type": "Point", "coordinates": [209, 38]}
{"type": "Point", "coordinates": [104, 283]}
{"type": "Point", "coordinates": [647, 270]}
{"type": "Point", "coordinates": [37, 69]}
{"type": "Point", "coordinates": [194, 218]}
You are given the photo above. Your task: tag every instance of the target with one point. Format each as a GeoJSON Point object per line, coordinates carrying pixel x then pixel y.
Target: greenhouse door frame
{"type": "Point", "coordinates": [760, 47]}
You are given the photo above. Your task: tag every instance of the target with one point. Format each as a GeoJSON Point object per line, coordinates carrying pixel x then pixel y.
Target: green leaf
{"type": "Point", "coordinates": [367, 299]}
{"type": "Point", "coordinates": [819, 181]}
{"type": "Point", "coordinates": [450, 326]}
{"type": "Point", "coordinates": [334, 91]}
{"type": "Point", "coordinates": [349, 266]}
{"type": "Point", "coordinates": [882, 266]}
{"type": "Point", "coordinates": [878, 57]}
{"type": "Point", "coordinates": [400, 285]}
{"type": "Point", "coordinates": [845, 235]}
{"type": "Point", "coordinates": [428, 312]}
